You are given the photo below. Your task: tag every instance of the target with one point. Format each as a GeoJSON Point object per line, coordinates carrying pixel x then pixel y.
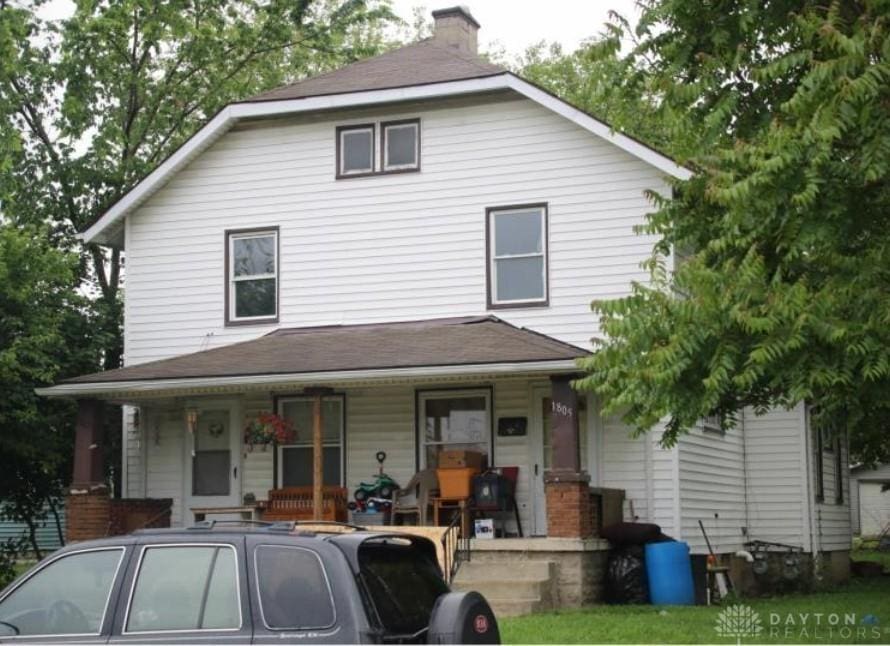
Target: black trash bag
{"type": "Point", "coordinates": [626, 576]}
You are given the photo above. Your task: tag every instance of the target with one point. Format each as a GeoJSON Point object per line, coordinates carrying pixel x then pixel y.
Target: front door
{"type": "Point", "coordinates": [541, 450]}
{"type": "Point", "coordinates": [213, 459]}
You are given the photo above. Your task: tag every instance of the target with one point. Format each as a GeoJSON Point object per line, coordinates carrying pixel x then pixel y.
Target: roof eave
{"type": "Point", "coordinates": [169, 386]}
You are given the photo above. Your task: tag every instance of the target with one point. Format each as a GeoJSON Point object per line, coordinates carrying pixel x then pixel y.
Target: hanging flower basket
{"type": "Point", "coordinates": [268, 429]}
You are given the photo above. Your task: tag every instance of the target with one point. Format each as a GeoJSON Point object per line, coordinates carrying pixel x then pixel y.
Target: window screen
{"type": "Point", "coordinates": [253, 275]}
{"type": "Point", "coordinates": [518, 271]}
{"type": "Point", "coordinates": [356, 150]}
{"type": "Point", "coordinates": [459, 421]}
{"type": "Point", "coordinates": [81, 582]}
{"type": "Point", "coordinates": [296, 458]}
{"type": "Point", "coordinates": [293, 590]}
{"type": "Point", "coordinates": [401, 145]}
{"type": "Point", "coordinates": [185, 588]}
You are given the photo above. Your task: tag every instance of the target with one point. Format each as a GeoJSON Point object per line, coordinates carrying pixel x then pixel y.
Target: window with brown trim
{"type": "Point", "coordinates": [355, 150]}
{"type": "Point", "coordinates": [400, 145]}
{"type": "Point", "coordinates": [517, 256]}
{"type": "Point", "coordinates": [252, 276]}
{"type": "Point", "coordinates": [358, 154]}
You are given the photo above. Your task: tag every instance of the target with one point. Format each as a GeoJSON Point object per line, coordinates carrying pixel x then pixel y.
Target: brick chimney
{"type": "Point", "coordinates": [455, 27]}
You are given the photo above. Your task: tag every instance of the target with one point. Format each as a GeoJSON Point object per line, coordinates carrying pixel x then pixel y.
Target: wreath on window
{"type": "Point", "coordinates": [267, 429]}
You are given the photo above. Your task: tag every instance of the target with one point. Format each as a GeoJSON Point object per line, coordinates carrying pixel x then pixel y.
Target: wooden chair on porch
{"type": "Point", "coordinates": [416, 498]}
{"type": "Point", "coordinates": [295, 503]}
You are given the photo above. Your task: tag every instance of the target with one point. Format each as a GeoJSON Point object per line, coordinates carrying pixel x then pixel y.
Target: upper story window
{"type": "Point", "coordinates": [252, 276]}
{"type": "Point", "coordinates": [517, 256]}
{"type": "Point", "coordinates": [713, 424]}
{"type": "Point", "coordinates": [358, 154]}
{"type": "Point", "coordinates": [401, 145]}
{"type": "Point", "coordinates": [355, 150]}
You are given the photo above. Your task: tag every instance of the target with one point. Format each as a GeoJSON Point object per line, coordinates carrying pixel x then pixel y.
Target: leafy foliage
{"type": "Point", "coordinates": [769, 285]}
{"type": "Point", "coordinates": [90, 104]}
{"type": "Point", "coordinates": [45, 334]}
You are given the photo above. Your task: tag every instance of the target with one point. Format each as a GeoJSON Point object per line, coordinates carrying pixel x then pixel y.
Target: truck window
{"type": "Point", "coordinates": [293, 589]}
{"type": "Point", "coordinates": [403, 583]}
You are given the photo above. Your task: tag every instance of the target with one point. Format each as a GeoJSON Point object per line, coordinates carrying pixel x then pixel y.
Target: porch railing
{"type": "Point", "coordinates": [455, 546]}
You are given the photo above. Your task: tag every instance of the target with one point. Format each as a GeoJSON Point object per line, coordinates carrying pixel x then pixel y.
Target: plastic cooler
{"type": "Point", "coordinates": [669, 571]}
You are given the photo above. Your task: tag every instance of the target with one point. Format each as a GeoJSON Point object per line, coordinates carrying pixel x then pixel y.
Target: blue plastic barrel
{"type": "Point", "coordinates": [669, 570]}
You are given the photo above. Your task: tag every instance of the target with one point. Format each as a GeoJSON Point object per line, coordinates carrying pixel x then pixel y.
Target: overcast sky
{"type": "Point", "coordinates": [509, 24]}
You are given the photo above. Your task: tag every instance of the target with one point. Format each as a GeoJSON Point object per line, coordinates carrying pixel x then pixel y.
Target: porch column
{"type": "Point", "coordinates": [566, 486]}
{"type": "Point", "coordinates": [317, 395]}
{"type": "Point", "coordinates": [88, 506]}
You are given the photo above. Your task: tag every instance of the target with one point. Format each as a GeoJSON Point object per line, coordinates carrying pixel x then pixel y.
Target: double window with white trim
{"type": "Point", "coordinates": [517, 256]}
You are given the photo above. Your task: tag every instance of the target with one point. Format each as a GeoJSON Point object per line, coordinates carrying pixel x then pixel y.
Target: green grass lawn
{"type": "Point", "coordinates": [675, 625]}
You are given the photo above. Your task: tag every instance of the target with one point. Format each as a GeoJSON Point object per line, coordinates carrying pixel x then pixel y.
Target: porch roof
{"type": "Point", "coordinates": [451, 346]}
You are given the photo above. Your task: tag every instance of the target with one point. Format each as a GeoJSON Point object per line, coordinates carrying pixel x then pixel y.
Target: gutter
{"type": "Point", "coordinates": [98, 389]}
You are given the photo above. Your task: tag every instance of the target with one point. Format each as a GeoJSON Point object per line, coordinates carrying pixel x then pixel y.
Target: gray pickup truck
{"type": "Point", "coordinates": [233, 584]}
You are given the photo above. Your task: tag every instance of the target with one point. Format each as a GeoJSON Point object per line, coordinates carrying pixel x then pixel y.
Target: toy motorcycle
{"type": "Point", "coordinates": [382, 487]}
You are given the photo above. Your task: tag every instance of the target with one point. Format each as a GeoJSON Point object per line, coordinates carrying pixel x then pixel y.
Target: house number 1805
{"type": "Point", "coordinates": [562, 409]}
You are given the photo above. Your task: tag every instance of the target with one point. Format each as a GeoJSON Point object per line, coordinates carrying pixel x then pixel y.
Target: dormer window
{"type": "Point", "coordinates": [401, 145]}
{"type": "Point", "coordinates": [359, 154]}
{"type": "Point", "coordinates": [356, 150]}
{"type": "Point", "coordinates": [252, 276]}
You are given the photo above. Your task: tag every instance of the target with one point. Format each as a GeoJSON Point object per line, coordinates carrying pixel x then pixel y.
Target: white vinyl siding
{"type": "Point", "coordinates": [393, 247]}
{"type": "Point", "coordinates": [712, 487]}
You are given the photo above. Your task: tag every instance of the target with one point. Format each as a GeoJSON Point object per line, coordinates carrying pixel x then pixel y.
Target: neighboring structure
{"type": "Point", "coordinates": [870, 499]}
{"type": "Point", "coordinates": [47, 532]}
{"type": "Point", "coordinates": [422, 234]}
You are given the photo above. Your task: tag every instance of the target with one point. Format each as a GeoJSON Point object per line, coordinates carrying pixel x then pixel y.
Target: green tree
{"type": "Point", "coordinates": [770, 283]}
{"type": "Point", "coordinates": [44, 335]}
{"type": "Point", "coordinates": [91, 104]}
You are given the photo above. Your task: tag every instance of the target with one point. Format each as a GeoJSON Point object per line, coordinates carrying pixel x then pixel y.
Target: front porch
{"type": "Point", "coordinates": [418, 391]}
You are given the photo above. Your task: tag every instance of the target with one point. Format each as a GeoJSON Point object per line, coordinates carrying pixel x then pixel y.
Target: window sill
{"type": "Point", "coordinates": [377, 173]}
{"type": "Point", "coordinates": [265, 321]}
{"type": "Point", "coordinates": [518, 305]}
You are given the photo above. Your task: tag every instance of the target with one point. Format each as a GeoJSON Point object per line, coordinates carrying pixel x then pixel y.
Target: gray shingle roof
{"type": "Point", "coordinates": [436, 342]}
{"type": "Point", "coordinates": [418, 64]}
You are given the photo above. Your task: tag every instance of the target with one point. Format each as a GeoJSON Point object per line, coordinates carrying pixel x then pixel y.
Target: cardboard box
{"type": "Point", "coordinates": [484, 528]}
{"type": "Point", "coordinates": [461, 459]}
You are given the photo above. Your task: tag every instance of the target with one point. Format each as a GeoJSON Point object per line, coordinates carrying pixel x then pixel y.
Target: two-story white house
{"type": "Point", "coordinates": [420, 235]}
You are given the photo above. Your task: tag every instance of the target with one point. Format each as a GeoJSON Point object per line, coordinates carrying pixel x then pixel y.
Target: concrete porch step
{"type": "Point", "coordinates": [512, 589]}
{"type": "Point", "coordinates": [494, 570]}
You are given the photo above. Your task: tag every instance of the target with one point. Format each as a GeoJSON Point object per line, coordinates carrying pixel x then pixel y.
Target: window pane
{"type": "Point", "coordinates": [459, 422]}
{"type": "Point", "coordinates": [518, 233]}
{"type": "Point", "coordinates": [293, 590]}
{"type": "Point", "coordinates": [401, 143]}
{"type": "Point", "coordinates": [253, 256]}
{"type": "Point", "coordinates": [222, 609]}
{"type": "Point", "coordinates": [520, 279]}
{"type": "Point", "coordinates": [171, 586]}
{"type": "Point", "coordinates": [299, 412]}
{"type": "Point", "coordinates": [67, 597]}
{"type": "Point", "coordinates": [210, 473]}
{"type": "Point", "coordinates": [255, 298]}
{"type": "Point", "coordinates": [297, 466]}
{"type": "Point", "coordinates": [357, 151]}
{"type": "Point", "coordinates": [403, 582]}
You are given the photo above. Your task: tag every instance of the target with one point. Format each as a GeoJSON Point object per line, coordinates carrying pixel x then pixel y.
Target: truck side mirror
{"type": "Point", "coordinates": [463, 618]}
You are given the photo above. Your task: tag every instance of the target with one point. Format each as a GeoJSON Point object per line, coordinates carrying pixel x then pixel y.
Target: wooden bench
{"type": "Point", "coordinates": [295, 503]}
